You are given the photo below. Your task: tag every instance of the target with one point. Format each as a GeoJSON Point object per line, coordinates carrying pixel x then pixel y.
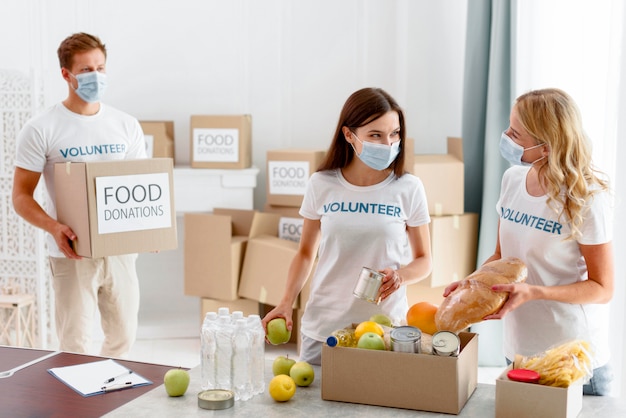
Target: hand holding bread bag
{"type": "Point", "coordinates": [473, 298]}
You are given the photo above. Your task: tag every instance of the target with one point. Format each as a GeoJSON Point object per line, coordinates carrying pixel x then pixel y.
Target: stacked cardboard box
{"type": "Point", "coordinates": [159, 137]}
{"type": "Point", "coordinates": [453, 233]}
{"type": "Point", "coordinates": [221, 141]}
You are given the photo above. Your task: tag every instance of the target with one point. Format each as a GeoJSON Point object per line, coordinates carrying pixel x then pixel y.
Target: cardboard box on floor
{"type": "Point", "coordinates": [215, 245]}
{"type": "Point", "coordinates": [117, 207]}
{"type": "Point", "coordinates": [409, 154]}
{"type": "Point", "coordinates": [287, 173]}
{"type": "Point", "coordinates": [221, 141]}
{"type": "Point", "coordinates": [423, 382]}
{"type": "Point", "coordinates": [443, 177]}
{"type": "Point", "coordinates": [522, 400]}
{"type": "Point", "coordinates": [247, 306]}
{"type": "Point", "coordinates": [159, 136]}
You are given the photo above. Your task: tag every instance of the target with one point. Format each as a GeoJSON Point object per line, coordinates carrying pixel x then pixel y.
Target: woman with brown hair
{"type": "Point", "coordinates": [360, 209]}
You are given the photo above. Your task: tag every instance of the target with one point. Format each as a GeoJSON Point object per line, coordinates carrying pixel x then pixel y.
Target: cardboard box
{"type": "Point", "coordinates": [265, 268]}
{"type": "Point", "coordinates": [221, 141]}
{"type": "Point", "coordinates": [454, 245]}
{"type": "Point", "coordinates": [287, 173]}
{"type": "Point", "coordinates": [443, 177]}
{"type": "Point", "coordinates": [117, 207]}
{"type": "Point", "coordinates": [159, 136]}
{"type": "Point", "coordinates": [401, 380]}
{"type": "Point", "coordinates": [522, 400]}
{"type": "Point", "coordinates": [215, 245]}
{"type": "Point", "coordinates": [247, 306]}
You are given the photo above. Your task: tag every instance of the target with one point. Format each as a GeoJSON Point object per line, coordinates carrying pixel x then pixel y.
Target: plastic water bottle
{"type": "Point", "coordinates": [242, 384]}
{"type": "Point", "coordinates": [207, 351]}
{"type": "Point", "coordinates": [224, 351]}
{"type": "Point", "coordinates": [257, 354]}
{"type": "Point", "coordinates": [235, 315]}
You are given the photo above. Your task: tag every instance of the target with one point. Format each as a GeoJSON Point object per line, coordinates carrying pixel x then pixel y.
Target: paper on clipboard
{"type": "Point", "coordinates": [88, 379]}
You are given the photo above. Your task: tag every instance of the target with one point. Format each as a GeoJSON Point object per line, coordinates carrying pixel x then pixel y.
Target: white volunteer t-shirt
{"type": "Point", "coordinates": [533, 232]}
{"type": "Point", "coordinates": [360, 227]}
{"type": "Point", "coordinates": [59, 135]}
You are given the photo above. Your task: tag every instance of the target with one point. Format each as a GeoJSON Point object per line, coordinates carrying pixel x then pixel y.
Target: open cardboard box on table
{"type": "Point", "coordinates": [423, 382]}
{"type": "Point", "coordinates": [522, 400]}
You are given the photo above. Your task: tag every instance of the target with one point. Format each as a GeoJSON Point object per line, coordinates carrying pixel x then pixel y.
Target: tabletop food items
{"type": "Point", "coordinates": [473, 299]}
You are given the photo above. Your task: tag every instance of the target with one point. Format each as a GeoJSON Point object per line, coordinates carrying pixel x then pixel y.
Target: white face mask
{"type": "Point", "coordinates": [513, 152]}
{"type": "Point", "coordinates": [91, 86]}
{"type": "Point", "coordinates": [377, 156]}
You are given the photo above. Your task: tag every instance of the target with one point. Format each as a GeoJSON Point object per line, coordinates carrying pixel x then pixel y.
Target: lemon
{"type": "Point", "coordinates": [282, 388]}
{"type": "Point", "coordinates": [368, 326]}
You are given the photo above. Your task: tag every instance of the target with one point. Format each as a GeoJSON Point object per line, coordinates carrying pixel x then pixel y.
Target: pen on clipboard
{"type": "Point", "coordinates": [110, 379]}
{"type": "Point", "coordinates": [120, 386]}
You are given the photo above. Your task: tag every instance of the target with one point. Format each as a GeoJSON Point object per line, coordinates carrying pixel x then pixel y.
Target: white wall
{"type": "Point", "coordinates": [290, 64]}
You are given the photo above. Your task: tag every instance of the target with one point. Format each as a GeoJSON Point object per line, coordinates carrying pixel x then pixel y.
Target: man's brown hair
{"type": "Point", "coordinates": [77, 43]}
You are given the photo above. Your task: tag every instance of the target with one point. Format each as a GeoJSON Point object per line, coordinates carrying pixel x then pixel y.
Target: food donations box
{"type": "Point", "coordinates": [117, 207]}
{"type": "Point", "coordinates": [522, 400]}
{"type": "Point", "coordinates": [443, 177]}
{"type": "Point", "coordinates": [221, 141]}
{"type": "Point", "coordinates": [159, 137]}
{"type": "Point", "coordinates": [288, 171]}
{"type": "Point", "coordinates": [423, 382]}
{"type": "Point", "coordinates": [215, 245]}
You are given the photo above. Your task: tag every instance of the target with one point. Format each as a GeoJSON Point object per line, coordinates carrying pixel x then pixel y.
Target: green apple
{"type": "Point", "coordinates": [176, 382]}
{"type": "Point", "coordinates": [371, 341]}
{"type": "Point", "coordinates": [277, 332]}
{"type": "Point", "coordinates": [282, 365]}
{"type": "Point", "coordinates": [302, 373]}
{"type": "Point", "coordinates": [381, 319]}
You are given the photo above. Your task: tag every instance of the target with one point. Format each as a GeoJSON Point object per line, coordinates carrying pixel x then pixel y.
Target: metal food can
{"type": "Point", "coordinates": [216, 399]}
{"type": "Point", "coordinates": [446, 343]}
{"type": "Point", "coordinates": [406, 339]}
{"type": "Point", "coordinates": [368, 284]}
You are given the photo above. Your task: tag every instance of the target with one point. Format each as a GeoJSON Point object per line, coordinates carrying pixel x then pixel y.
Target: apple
{"type": "Point", "coordinates": [277, 332]}
{"type": "Point", "coordinates": [282, 388]}
{"type": "Point", "coordinates": [302, 373]}
{"type": "Point", "coordinates": [176, 381]}
{"type": "Point", "coordinates": [371, 341]}
{"type": "Point", "coordinates": [282, 365]}
{"type": "Point", "coordinates": [381, 319]}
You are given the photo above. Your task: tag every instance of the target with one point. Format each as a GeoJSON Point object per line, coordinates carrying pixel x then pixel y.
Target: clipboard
{"type": "Point", "coordinates": [99, 377]}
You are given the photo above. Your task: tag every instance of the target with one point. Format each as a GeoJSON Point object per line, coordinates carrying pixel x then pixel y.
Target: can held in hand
{"type": "Point", "coordinates": [406, 339]}
{"type": "Point", "coordinates": [368, 284]}
{"type": "Point", "coordinates": [446, 343]}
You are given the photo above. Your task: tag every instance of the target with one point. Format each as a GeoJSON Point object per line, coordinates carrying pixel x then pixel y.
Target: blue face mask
{"type": "Point", "coordinates": [91, 86]}
{"type": "Point", "coordinates": [377, 156]}
{"type": "Point", "coordinates": [513, 152]}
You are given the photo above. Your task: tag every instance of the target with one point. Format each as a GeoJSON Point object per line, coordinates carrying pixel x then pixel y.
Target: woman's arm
{"type": "Point", "coordinates": [299, 270]}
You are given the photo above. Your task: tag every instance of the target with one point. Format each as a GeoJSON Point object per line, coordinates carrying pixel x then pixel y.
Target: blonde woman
{"type": "Point", "coordinates": [556, 215]}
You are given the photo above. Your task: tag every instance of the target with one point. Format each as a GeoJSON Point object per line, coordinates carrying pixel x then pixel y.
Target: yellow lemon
{"type": "Point", "coordinates": [368, 326]}
{"type": "Point", "coordinates": [282, 388]}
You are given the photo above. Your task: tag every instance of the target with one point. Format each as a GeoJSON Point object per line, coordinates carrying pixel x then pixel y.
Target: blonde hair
{"type": "Point", "coordinates": [552, 117]}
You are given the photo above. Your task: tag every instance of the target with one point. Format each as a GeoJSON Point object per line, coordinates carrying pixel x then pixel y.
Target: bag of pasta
{"type": "Point", "coordinates": [561, 365]}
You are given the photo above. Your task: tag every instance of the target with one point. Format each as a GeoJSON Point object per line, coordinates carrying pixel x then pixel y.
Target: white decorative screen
{"type": "Point", "coordinates": [23, 257]}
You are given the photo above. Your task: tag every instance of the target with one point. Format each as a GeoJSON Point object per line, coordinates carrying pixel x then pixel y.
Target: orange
{"type": "Point", "coordinates": [368, 326]}
{"type": "Point", "coordinates": [422, 316]}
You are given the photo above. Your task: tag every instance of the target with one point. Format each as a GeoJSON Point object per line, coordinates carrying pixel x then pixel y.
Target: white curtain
{"type": "Point", "coordinates": [579, 46]}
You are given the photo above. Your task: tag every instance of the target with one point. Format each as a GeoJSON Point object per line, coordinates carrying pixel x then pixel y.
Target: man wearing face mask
{"type": "Point", "coordinates": [360, 209]}
{"type": "Point", "coordinates": [81, 128]}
